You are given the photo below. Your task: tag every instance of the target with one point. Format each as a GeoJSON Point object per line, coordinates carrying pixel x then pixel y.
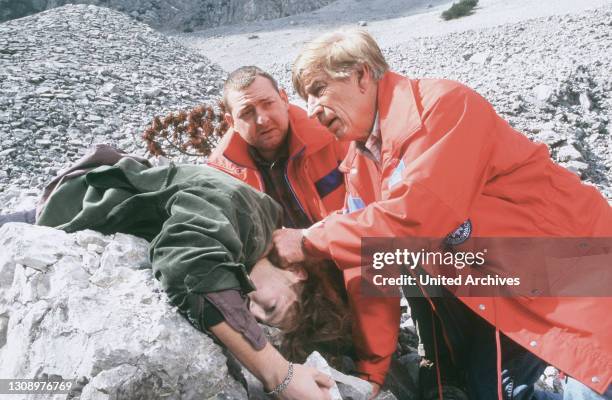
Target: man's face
{"type": "Point", "coordinates": [277, 293]}
{"type": "Point", "coordinates": [260, 115]}
{"type": "Point", "coordinates": [345, 106]}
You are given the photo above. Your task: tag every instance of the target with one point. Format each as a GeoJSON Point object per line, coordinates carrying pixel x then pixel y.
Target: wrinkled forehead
{"type": "Point", "coordinates": [259, 91]}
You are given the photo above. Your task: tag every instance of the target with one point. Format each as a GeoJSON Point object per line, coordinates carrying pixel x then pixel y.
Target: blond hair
{"type": "Point", "coordinates": [337, 55]}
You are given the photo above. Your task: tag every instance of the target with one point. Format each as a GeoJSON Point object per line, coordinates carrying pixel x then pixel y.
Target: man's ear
{"type": "Point", "coordinates": [229, 119]}
{"type": "Point", "coordinates": [283, 95]}
{"type": "Point", "coordinates": [364, 76]}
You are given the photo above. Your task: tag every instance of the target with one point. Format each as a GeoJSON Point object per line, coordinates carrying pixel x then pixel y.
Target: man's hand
{"type": "Point", "coordinates": [287, 248]}
{"type": "Point", "coordinates": [307, 384]}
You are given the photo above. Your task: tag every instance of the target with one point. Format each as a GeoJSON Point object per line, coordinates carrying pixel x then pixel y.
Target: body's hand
{"type": "Point", "coordinates": [375, 390]}
{"type": "Point", "coordinates": [271, 368]}
{"type": "Point", "coordinates": [287, 247]}
{"type": "Point", "coordinates": [307, 384]}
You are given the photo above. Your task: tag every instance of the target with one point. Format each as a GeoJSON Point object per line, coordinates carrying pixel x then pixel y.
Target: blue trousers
{"type": "Point", "coordinates": [574, 390]}
{"type": "Point", "coordinates": [467, 343]}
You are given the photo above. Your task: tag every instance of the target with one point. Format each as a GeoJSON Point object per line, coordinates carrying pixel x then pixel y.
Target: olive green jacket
{"type": "Point", "coordinates": [207, 229]}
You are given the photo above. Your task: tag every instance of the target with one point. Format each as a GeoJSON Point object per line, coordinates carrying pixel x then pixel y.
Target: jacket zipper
{"type": "Point", "coordinates": [291, 187]}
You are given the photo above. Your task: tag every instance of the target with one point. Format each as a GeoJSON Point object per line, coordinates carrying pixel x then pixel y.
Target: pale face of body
{"type": "Point", "coordinates": [277, 293]}
{"type": "Point", "coordinates": [347, 107]}
{"type": "Point", "coordinates": [260, 115]}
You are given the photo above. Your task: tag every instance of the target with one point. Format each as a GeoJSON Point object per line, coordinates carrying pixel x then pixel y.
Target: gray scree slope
{"type": "Point", "coordinates": [175, 14]}
{"type": "Point", "coordinates": [76, 75]}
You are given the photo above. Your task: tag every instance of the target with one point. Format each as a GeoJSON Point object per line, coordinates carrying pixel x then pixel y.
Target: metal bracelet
{"type": "Point", "coordinates": [283, 385]}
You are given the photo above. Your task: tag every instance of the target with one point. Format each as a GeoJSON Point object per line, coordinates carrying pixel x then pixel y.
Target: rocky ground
{"type": "Point", "coordinates": [77, 75]}
{"type": "Point", "coordinates": [182, 15]}
{"type": "Point", "coordinates": [392, 22]}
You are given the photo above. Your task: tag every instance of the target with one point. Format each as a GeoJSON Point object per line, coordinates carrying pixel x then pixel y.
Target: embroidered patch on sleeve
{"type": "Point", "coordinates": [460, 234]}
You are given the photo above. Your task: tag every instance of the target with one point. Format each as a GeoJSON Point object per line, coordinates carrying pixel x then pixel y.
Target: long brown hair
{"type": "Point", "coordinates": [321, 319]}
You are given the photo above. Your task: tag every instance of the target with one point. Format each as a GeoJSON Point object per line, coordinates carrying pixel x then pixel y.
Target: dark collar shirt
{"type": "Point", "coordinates": [276, 183]}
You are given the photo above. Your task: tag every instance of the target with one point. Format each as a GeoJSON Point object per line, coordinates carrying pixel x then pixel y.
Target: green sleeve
{"type": "Point", "coordinates": [207, 244]}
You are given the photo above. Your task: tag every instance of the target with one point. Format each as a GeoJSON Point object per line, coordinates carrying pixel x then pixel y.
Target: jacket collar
{"type": "Point", "coordinates": [398, 115]}
{"type": "Point", "coordinates": [307, 134]}
{"type": "Point", "coordinates": [398, 110]}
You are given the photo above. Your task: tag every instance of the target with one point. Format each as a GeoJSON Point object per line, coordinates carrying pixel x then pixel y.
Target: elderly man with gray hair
{"type": "Point", "coordinates": [431, 158]}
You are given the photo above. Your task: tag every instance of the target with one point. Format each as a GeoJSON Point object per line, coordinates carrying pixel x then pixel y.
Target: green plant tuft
{"type": "Point", "coordinates": [460, 9]}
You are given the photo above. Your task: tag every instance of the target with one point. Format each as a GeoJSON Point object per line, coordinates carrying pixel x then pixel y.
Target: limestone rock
{"type": "Point", "coordinates": [346, 387]}
{"type": "Point", "coordinates": [480, 58]}
{"type": "Point", "coordinates": [577, 167]}
{"type": "Point", "coordinates": [100, 318]}
{"type": "Point", "coordinates": [316, 360]}
{"type": "Point", "coordinates": [569, 153]}
{"type": "Point", "coordinates": [550, 137]}
{"type": "Point", "coordinates": [543, 93]}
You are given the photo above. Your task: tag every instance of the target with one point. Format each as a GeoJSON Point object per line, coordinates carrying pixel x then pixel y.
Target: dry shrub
{"type": "Point", "coordinates": [193, 133]}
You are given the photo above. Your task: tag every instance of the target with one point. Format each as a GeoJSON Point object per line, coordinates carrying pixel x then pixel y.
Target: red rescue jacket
{"type": "Point", "coordinates": [447, 157]}
{"type": "Point", "coordinates": [312, 169]}
{"type": "Point", "coordinates": [313, 175]}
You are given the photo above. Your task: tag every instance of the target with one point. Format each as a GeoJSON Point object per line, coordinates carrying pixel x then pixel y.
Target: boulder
{"type": "Point", "coordinates": [85, 306]}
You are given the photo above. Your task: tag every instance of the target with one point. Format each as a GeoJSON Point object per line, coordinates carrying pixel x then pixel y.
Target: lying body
{"type": "Point", "coordinates": [209, 234]}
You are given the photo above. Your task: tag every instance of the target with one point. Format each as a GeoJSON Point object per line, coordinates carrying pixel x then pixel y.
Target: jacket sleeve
{"type": "Point", "coordinates": [231, 306]}
{"type": "Point", "coordinates": [429, 190]}
{"type": "Point", "coordinates": [375, 328]}
{"type": "Point", "coordinates": [201, 251]}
